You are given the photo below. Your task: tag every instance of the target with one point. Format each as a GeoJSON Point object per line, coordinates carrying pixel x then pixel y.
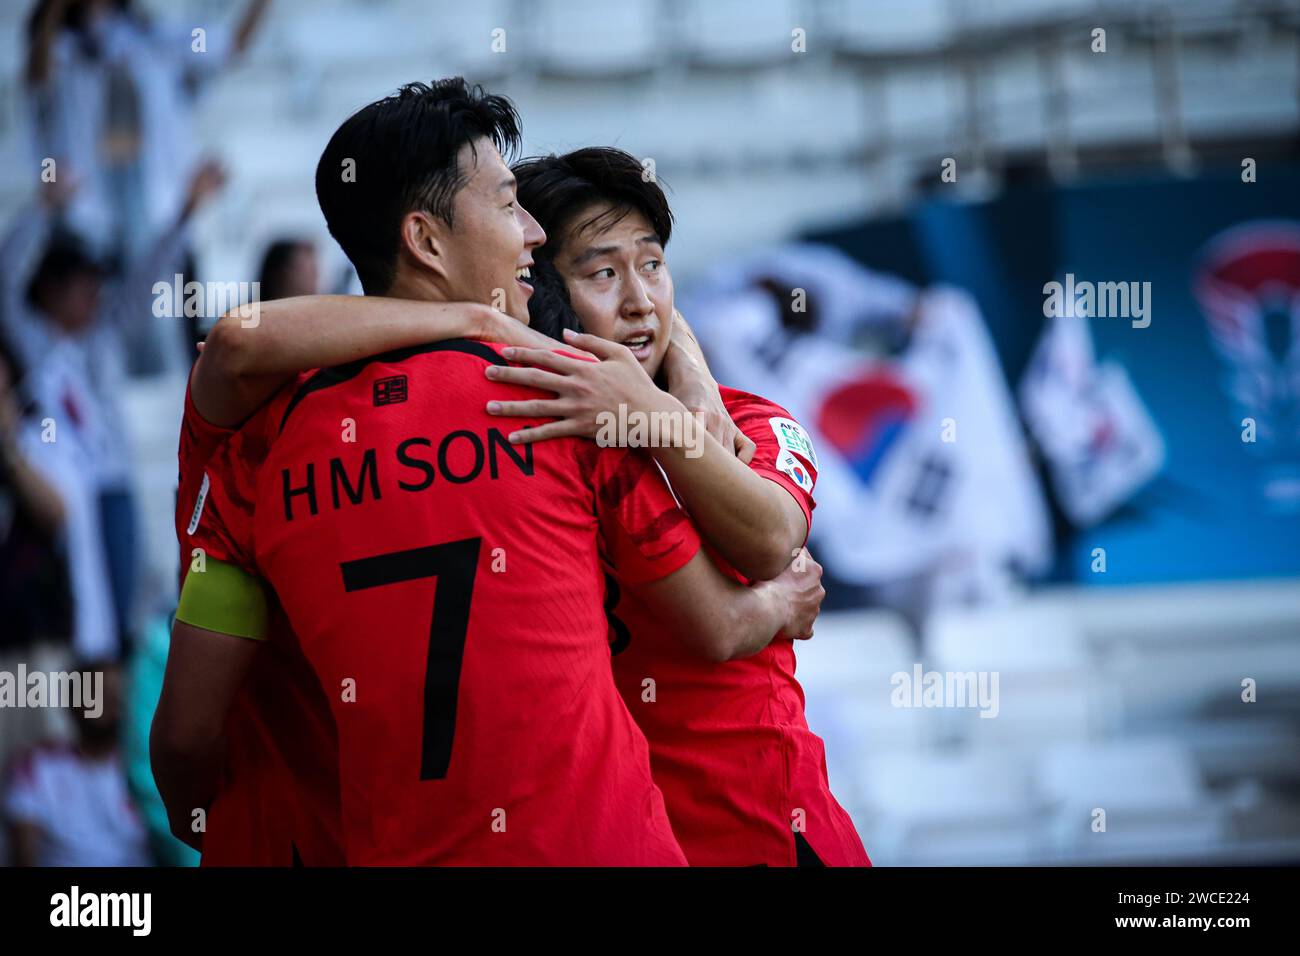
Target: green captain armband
{"type": "Point", "coordinates": [225, 599]}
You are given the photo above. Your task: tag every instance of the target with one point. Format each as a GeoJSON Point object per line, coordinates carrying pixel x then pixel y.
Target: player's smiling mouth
{"type": "Point", "coordinates": [641, 342]}
{"type": "Point", "coordinates": [524, 278]}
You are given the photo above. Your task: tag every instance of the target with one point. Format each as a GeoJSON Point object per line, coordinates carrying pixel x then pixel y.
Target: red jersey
{"type": "Point", "coordinates": [278, 802]}
{"type": "Point", "coordinates": [447, 588]}
{"type": "Point", "coordinates": [743, 776]}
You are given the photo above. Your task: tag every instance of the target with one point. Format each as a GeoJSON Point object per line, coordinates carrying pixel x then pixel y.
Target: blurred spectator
{"type": "Point", "coordinates": [110, 94]}
{"type": "Point", "coordinates": [289, 268]}
{"type": "Point", "coordinates": [67, 328]}
{"type": "Point", "coordinates": [67, 804]}
{"type": "Point", "coordinates": [35, 599]}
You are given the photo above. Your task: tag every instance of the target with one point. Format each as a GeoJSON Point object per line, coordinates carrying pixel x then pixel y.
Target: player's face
{"type": "Point", "coordinates": [492, 240]}
{"type": "Point", "coordinates": [619, 284]}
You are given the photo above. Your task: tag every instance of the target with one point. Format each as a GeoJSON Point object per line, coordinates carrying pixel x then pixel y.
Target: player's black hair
{"type": "Point", "coordinates": [556, 190]}
{"type": "Point", "coordinates": [403, 152]}
{"type": "Point", "coordinates": [549, 309]}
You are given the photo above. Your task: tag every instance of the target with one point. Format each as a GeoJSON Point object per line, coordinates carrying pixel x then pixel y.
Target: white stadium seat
{"type": "Point", "coordinates": [937, 809]}
{"type": "Point", "coordinates": [594, 38]}
{"type": "Point", "coordinates": [733, 33]}
{"type": "Point", "coordinates": [1149, 789]}
{"type": "Point", "coordinates": [890, 26]}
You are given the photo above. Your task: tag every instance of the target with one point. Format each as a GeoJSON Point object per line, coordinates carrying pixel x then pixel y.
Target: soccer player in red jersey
{"type": "Point", "coordinates": [277, 803]}
{"type": "Point", "coordinates": [743, 776]}
{"type": "Point", "coordinates": [492, 733]}
{"type": "Point", "coordinates": [279, 723]}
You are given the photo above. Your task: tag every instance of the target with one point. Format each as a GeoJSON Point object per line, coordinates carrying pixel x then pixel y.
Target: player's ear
{"type": "Point", "coordinates": [424, 241]}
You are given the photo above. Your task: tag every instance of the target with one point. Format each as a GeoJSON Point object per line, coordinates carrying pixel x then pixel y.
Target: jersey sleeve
{"type": "Point", "coordinates": [199, 438]}
{"type": "Point", "coordinates": [222, 591]}
{"type": "Point", "coordinates": [646, 533]}
{"type": "Point", "coordinates": [784, 452]}
{"type": "Point", "coordinates": [222, 522]}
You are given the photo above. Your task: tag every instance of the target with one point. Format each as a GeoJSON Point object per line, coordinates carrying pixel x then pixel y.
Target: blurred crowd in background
{"type": "Point", "coordinates": [872, 198]}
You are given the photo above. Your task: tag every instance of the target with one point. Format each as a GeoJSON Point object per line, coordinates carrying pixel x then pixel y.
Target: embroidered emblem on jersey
{"type": "Point", "coordinates": [791, 436]}
{"type": "Point", "coordinates": [198, 505]}
{"type": "Point", "coordinates": [788, 464]}
{"type": "Point", "coordinates": [390, 391]}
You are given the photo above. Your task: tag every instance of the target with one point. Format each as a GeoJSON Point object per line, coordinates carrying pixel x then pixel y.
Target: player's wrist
{"type": "Point", "coordinates": [479, 321]}
{"type": "Point", "coordinates": [690, 381]}
{"type": "Point", "coordinates": [779, 597]}
{"type": "Point", "coordinates": [773, 604]}
{"type": "Point", "coordinates": [651, 400]}
{"type": "Point", "coordinates": [680, 367]}
{"type": "Point", "coordinates": [679, 360]}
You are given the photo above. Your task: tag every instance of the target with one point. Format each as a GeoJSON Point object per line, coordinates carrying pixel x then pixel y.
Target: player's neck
{"type": "Point", "coordinates": [421, 287]}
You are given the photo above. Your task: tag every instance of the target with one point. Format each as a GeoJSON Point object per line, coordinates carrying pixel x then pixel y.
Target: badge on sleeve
{"type": "Point", "coordinates": [788, 464]}
{"type": "Point", "coordinates": [198, 505]}
{"type": "Point", "coordinates": [791, 436]}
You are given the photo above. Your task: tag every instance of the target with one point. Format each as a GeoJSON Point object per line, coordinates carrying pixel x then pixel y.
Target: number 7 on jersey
{"type": "Point", "coordinates": [454, 565]}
